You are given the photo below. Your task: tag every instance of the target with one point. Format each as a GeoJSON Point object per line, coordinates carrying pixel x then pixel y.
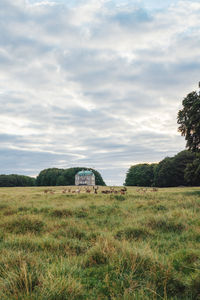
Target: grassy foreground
{"type": "Point", "coordinates": [144, 245]}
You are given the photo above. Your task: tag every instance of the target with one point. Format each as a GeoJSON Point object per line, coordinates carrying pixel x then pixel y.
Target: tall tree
{"type": "Point", "coordinates": [140, 175]}
{"type": "Point", "coordinates": [189, 120]}
{"type": "Point", "coordinates": [192, 171]}
{"type": "Point", "coordinates": [170, 171]}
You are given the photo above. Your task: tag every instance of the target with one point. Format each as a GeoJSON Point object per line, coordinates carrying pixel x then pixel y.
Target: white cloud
{"type": "Point", "coordinates": [94, 83]}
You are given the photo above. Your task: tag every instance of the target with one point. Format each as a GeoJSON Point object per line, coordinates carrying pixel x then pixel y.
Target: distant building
{"type": "Point", "coordinates": [85, 177]}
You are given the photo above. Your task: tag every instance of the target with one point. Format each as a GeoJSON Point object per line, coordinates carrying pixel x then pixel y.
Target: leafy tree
{"type": "Point", "coordinates": [140, 175]}
{"type": "Point", "coordinates": [164, 173]}
{"type": "Point", "coordinates": [171, 170]}
{"type": "Point", "coordinates": [180, 162]}
{"type": "Point", "coordinates": [192, 172]}
{"type": "Point", "coordinates": [61, 180]}
{"type": "Point", "coordinates": [48, 177]}
{"type": "Point", "coordinates": [189, 121]}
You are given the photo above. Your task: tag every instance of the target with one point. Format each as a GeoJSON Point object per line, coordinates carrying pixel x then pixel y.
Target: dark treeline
{"type": "Point", "coordinates": [16, 180]}
{"type": "Point", "coordinates": [48, 177]}
{"type": "Point", "coordinates": [181, 170]}
{"type": "Point", "coordinates": [54, 176]}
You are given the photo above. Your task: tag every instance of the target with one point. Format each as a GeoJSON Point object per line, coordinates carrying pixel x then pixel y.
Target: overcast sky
{"type": "Point", "coordinates": [94, 83]}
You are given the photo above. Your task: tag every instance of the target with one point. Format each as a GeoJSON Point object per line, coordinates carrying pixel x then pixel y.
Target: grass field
{"type": "Point", "coordinates": [142, 245]}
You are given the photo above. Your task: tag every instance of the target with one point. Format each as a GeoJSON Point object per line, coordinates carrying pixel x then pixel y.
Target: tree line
{"type": "Point", "coordinates": [16, 180]}
{"type": "Point", "coordinates": [48, 177]}
{"type": "Point", "coordinates": [181, 170]}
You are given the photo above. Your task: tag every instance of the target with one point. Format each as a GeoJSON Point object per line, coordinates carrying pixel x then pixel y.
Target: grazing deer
{"type": "Point", "coordinates": [95, 188]}
{"type": "Point", "coordinates": [105, 192]}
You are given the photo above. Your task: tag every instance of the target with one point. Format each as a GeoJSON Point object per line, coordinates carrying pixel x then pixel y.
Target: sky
{"type": "Point", "coordinates": [94, 83]}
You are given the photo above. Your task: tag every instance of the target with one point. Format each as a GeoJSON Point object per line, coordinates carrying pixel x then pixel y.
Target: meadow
{"type": "Point", "coordinates": [142, 245]}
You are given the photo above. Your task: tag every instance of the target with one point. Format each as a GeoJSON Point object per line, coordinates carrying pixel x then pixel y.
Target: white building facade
{"type": "Point", "coordinates": [85, 177]}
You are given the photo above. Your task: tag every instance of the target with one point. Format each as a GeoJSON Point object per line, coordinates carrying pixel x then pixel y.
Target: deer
{"type": "Point", "coordinates": [95, 188]}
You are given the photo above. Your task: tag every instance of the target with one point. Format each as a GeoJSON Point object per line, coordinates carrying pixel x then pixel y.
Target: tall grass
{"type": "Point", "coordinates": [87, 246]}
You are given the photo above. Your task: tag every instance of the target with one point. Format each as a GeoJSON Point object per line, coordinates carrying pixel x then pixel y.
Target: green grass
{"type": "Point", "coordinates": [142, 245]}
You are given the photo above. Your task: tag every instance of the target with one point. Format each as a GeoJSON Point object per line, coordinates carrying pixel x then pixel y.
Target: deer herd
{"type": "Point", "coordinates": [96, 190]}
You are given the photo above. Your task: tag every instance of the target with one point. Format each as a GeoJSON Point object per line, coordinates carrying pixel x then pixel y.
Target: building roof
{"type": "Point", "coordinates": [85, 173]}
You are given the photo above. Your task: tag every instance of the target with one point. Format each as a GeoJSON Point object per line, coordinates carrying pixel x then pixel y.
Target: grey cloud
{"type": "Point", "coordinates": [27, 162]}
{"type": "Point", "coordinates": [102, 93]}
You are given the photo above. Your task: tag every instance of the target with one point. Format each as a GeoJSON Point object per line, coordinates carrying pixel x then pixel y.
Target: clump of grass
{"type": "Point", "coordinates": [61, 288]}
{"type": "Point", "coordinates": [128, 269]}
{"type": "Point", "coordinates": [194, 288]}
{"type": "Point", "coordinates": [186, 261]}
{"type": "Point", "coordinates": [99, 254]}
{"type": "Point", "coordinates": [107, 210]}
{"type": "Point", "coordinates": [80, 212]}
{"type": "Point", "coordinates": [23, 208]}
{"type": "Point", "coordinates": [60, 213]}
{"type": "Point", "coordinates": [59, 283]}
{"type": "Point", "coordinates": [166, 225]}
{"type": "Point", "coordinates": [3, 206]}
{"type": "Point", "coordinates": [19, 275]}
{"type": "Point", "coordinates": [96, 257]}
{"type": "Point", "coordinates": [132, 233]}
{"type": "Point", "coordinates": [9, 212]}
{"type": "Point", "coordinates": [150, 272]}
{"type": "Point", "coordinates": [73, 232]}
{"type": "Point", "coordinates": [119, 197]}
{"type": "Point", "coordinates": [2, 236]}
{"type": "Point", "coordinates": [77, 247]}
{"type": "Point", "coordinates": [159, 208]}
{"type": "Point", "coordinates": [22, 225]}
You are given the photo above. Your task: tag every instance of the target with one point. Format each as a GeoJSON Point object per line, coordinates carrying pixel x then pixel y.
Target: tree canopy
{"type": "Point", "coordinates": [16, 180]}
{"type": "Point", "coordinates": [189, 120]}
{"type": "Point", "coordinates": [171, 170]}
{"type": "Point", "coordinates": [140, 175]}
{"type": "Point", "coordinates": [192, 171]}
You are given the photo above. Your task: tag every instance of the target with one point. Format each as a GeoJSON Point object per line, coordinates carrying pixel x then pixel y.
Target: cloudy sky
{"type": "Point", "coordinates": [94, 83]}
